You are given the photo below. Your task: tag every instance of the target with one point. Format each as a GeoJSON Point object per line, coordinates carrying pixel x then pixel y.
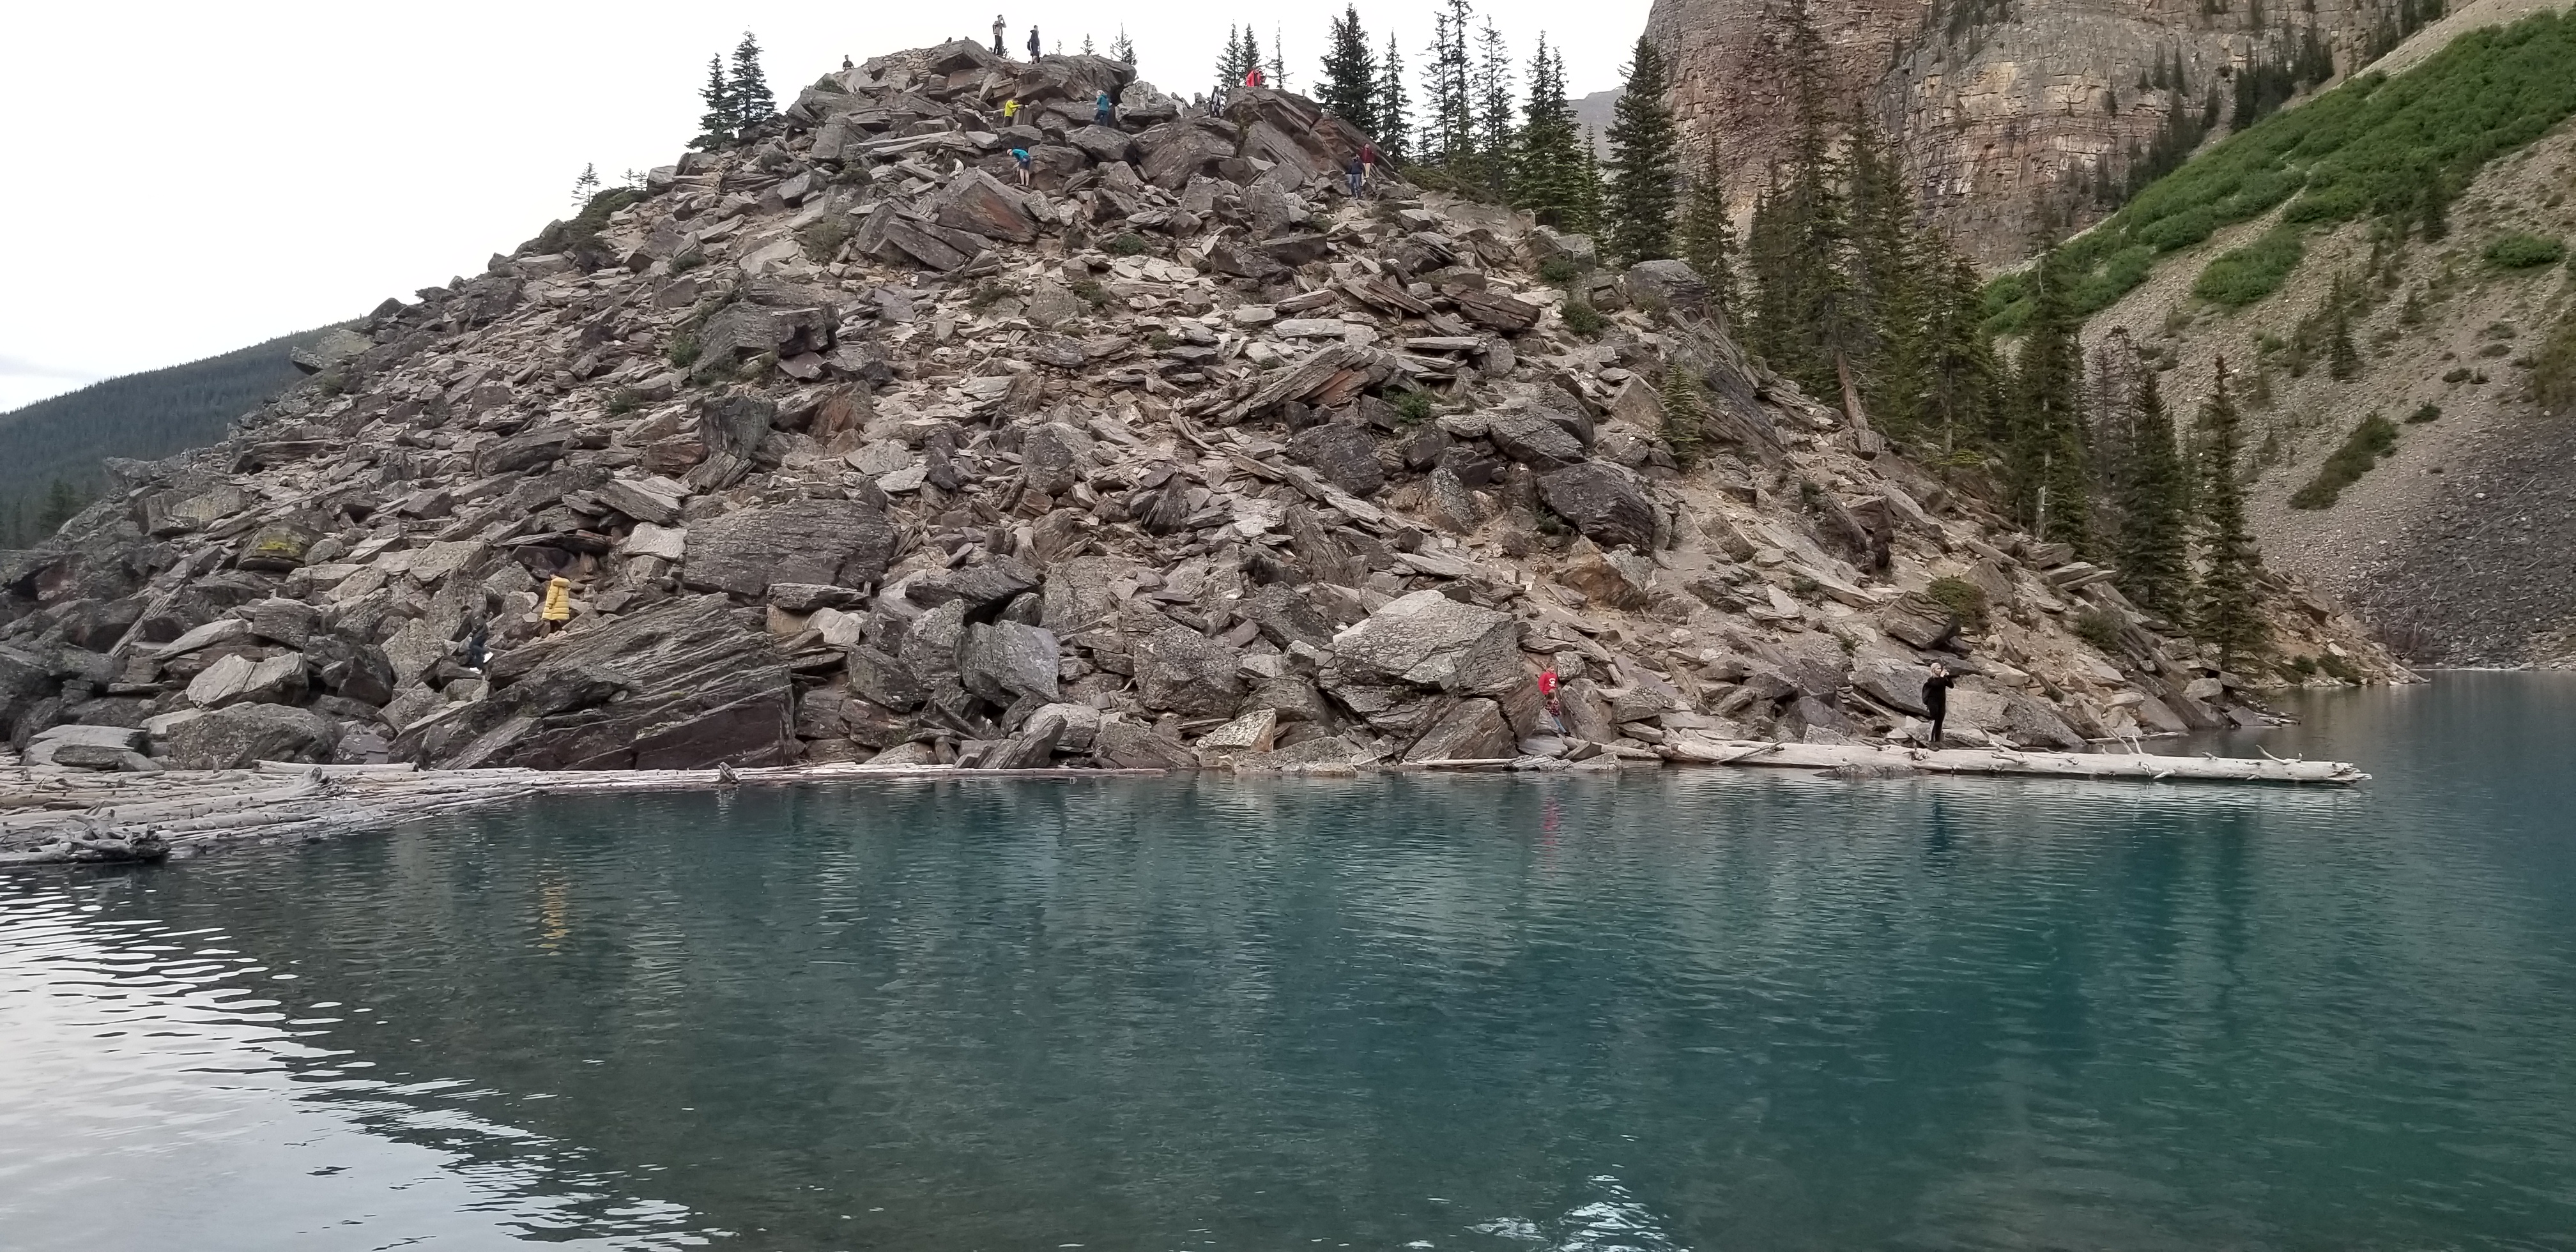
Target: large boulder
{"type": "Point", "coordinates": [841, 542]}
{"type": "Point", "coordinates": [1344, 453]}
{"type": "Point", "coordinates": [236, 679]}
{"type": "Point", "coordinates": [1668, 285]}
{"type": "Point", "coordinates": [1175, 151]}
{"type": "Point", "coordinates": [985, 588]}
{"type": "Point", "coordinates": [1470, 730]}
{"type": "Point", "coordinates": [245, 734]}
{"type": "Point", "coordinates": [1428, 640]}
{"type": "Point", "coordinates": [1179, 670]}
{"type": "Point", "coordinates": [1603, 501]}
{"type": "Point", "coordinates": [1530, 437]}
{"type": "Point", "coordinates": [684, 684]}
{"type": "Point", "coordinates": [1007, 662]}
{"type": "Point", "coordinates": [1103, 143]}
{"type": "Point", "coordinates": [1054, 456]}
{"type": "Point", "coordinates": [978, 203]}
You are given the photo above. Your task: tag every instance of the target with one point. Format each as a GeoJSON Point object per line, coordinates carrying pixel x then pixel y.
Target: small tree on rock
{"type": "Point", "coordinates": [1707, 236]}
{"type": "Point", "coordinates": [715, 125]}
{"type": "Point", "coordinates": [747, 89]}
{"type": "Point", "coordinates": [2155, 553]}
{"type": "Point", "coordinates": [586, 186]}
{"type": "Point", "coordinates": [1684, 409]}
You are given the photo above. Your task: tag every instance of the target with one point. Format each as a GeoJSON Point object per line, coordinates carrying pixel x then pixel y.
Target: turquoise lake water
{"type": "Point", "coordinates": [1704, 1009]}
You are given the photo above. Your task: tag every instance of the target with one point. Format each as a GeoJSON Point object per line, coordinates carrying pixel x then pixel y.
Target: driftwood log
{"type": "Point", "coordinates": [2011, 761]}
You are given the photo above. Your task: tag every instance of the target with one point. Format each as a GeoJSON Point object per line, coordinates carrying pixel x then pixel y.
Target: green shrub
{"type": "Point", "coordinates": [1091, 292]}
{"type": "Point", "coordinates": [623, 401]}
{"type": "Point", "coordinates": [2524, 251]}
{"type": "Point", "coordinates": [2423, 414]}
{"type": "Point", "coordinates": [2244, 275]}
{"type": "Point", "coordinates": [683, 351]}
{"type": "Point", "coordinates": [2376, 437]}
{"type": "Point", "coordinates": [2179, 231]}
{"type": "Point", "coordinates": [1413, 407]}
{"type": "Point", "coordinates": [2328, 204]}
{"type": "Point", "coordinates": [1965, 599]}
{"type": "Point", "coordinates": [1128, 244]}
{"type": "Point", "coordinates": [824, 236]}
{"type": "Point", "coordinates": [2100, 628]}
{"type": "Point", "coordinates": [1559, 270]}
{"type": "Point", "coordinates": [1582, 318]}
{"type": "Point", "coordinates": [2337, 668]}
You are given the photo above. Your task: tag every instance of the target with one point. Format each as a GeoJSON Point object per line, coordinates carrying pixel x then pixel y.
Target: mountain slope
{"type": "Point", "coordinates": [848, 447]}
{"type": "Point", "coordinates": [146, 416]}
{"type": "Point", "coordinates": [2453, 542]}
{"type": "Point", "coordinates": [2014, 120]}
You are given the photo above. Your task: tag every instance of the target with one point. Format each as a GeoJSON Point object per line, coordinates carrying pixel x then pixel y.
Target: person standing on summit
{"type": "Point", "coordinates": [1033, 43]}
{"type": "Point", "coordinates": [999, 26]}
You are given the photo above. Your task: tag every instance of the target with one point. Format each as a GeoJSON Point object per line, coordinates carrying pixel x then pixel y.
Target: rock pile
{"type": "Point", "coordinates": [854, 448]}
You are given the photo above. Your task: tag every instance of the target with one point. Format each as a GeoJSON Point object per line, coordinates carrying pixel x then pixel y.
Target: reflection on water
{"type": "Point", "coordinates": [1687, 1010]}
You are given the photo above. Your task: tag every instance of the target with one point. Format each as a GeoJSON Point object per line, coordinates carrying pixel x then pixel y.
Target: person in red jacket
{"type": "Point", "coordinates": [1368, 165]}
{"type": "Point", "coordinates": [1252, 77]}
{"type": "Point", "coordinates": [1547, 696]}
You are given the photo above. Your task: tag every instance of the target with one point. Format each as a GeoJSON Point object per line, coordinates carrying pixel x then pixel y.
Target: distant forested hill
{"type": "Point", "coordinates": [146, 415]}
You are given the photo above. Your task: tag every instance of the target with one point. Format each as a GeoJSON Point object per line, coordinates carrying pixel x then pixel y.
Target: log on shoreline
{"type": "Point", "coordinates": [2010, 761]}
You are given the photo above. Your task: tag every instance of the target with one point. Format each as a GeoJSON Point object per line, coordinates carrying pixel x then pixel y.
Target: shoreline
{"type": "Point", "coordinates": [59, 816]}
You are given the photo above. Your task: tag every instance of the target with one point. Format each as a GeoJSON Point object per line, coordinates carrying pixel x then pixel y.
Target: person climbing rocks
{"type": "Point", "coordinates": [1102, 108]}
{"type": "Point", "coordinates": [1357, 173]}
{"type": "Point", "coordinates": [1020, 161]}
{"type": "Point", "coordinates": [1368, 165]}
{"type": "Point", "coordinates": [1033, 43]}
{"type": "Point", "coordinates": [1936, 699]}
{"type": "Point", "coordinates": [1010, 110]}
{"type": "Point", "coordinates": [1547, 696]}
{"type": "Point", "coordinates": [999, 26]}
{"type": "Point", "coordinates": [558, 606]}
{"type": "Point", "coordinates": [478, 646]}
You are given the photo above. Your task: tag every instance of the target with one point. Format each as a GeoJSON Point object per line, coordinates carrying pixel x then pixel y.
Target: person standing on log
{"type": "Point", "coordinates": [1936, 698]}
{"type": "Point", "coordinates": [558, 607]}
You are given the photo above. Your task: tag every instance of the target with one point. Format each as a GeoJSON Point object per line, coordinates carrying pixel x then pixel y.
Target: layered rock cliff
{"type": "Point", "coordinates": [2007, 115]}
{"type": "Point", "coordinates": [851, 446]}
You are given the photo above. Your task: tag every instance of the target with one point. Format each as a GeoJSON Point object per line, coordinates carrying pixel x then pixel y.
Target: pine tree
{"type": "Point", "coordinates": [2227, 613]}
{"type": "Point", "coordinates": [1963, 385]}
{"type": "Point", "coordinates": [2435, 210]}
{"type": "Point", "coordinates": [1882, 307]}
{"type": "Point", "coordinates": [586, 186]}
{"type": "Point", "coordinates": [1350, 83]}
{"type": "Point", "coordinates": [1707, 236]}
{"type": "Point", "coordinates": [1683, 408]}
{"type": "Point", "coordinates": [1641, 192]}
{"type": "Point", "coordinates": [1086, 44]}
{"type": "Point", "coordinates": [2155, 553]}
{"type": "Point", "coordinates": [2050, 480]}
{"type": "Point", "coordinates": [1545, 176]}
{"type": "Point", "coordinates": [715, 126]}
{"type": "Point", "coordinates": [1122, 48]}
{"type": "Point", "coordinates": [1805, 281]}
{"type": "Point", "coordinates": [1277, 65]}
{"type": "Point", "coordinates": [1591, 197]}
{"type": "Point", "coordinates": [1448, 81]}
{"type": "Point", "coordinates": [2343, 362]}
{"type": "Point", "coordinates": [1494, 131]}
{"type": "Point", "coordinates": [1392, 108]}
{"type": "Point", "coordinates": [62, 504]}
{"type": "Point", "coordinates": [747, 89]}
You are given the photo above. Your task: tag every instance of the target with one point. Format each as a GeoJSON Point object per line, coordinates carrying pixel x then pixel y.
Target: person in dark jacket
{"type": "Point", "coordinates": [1936, 698]}
{"type": "Point", "coordinates": [1033, 43]}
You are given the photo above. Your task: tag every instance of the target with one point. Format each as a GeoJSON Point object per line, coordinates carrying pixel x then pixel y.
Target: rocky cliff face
{"type": "Point", "coordinates": [851, 447]}
{"type": "Point", "coordinates": [2005, 114]}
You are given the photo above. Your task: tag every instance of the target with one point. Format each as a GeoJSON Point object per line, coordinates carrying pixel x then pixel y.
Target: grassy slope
{"type": "Point", "coordinates": [2361, 151]}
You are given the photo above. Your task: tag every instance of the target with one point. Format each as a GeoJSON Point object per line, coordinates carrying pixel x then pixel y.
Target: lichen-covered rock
{"type": "Point", "coordinates": [842, 542]}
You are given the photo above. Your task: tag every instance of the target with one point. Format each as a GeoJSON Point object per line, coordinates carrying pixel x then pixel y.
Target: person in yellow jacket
{"type": "Point", "coordinates": [558, 607]}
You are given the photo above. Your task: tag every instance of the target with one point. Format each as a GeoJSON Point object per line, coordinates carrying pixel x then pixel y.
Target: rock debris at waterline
{"type": "Point", "coordinates": [857, 451]}
{"type": "Point", "coordinates": [70, 817]}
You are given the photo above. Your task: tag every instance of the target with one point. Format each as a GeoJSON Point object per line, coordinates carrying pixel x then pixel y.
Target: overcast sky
{"type": "Point", "coordinates": [188, 178]}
